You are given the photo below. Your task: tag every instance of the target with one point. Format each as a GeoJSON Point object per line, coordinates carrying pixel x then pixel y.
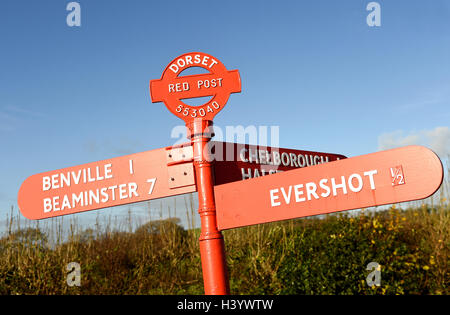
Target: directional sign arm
{"type": "Point", "coordinates": [392, 176]}
{"type": "Point", "coordinates": [118, 181]}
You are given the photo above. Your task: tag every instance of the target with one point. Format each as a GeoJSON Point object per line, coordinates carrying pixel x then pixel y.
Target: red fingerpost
{"type": "Point", "coordinates": [171, 89]}
{"type": "Point", "coordinates": [212, 248]}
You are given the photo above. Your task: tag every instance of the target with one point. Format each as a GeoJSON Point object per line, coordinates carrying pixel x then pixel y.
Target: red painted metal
{"type": "Point", "coordinates": [117, 181]}
{"type": "Point", "coordinates": [236, 161]}
{"type": "Point", "coordinates": [171, 89]}
{"type": "Point", "coordinates": [358, 182]}
{"type": "Point", "coordinates": [212, 248]}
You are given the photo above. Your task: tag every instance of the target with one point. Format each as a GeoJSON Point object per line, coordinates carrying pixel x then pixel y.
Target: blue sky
{"type": "Point", "coordinates": [73, 95]}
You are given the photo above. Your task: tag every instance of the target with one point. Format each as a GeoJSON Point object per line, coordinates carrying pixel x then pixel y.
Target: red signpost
{"type": "Point", "coordinates": [172, 88]}
{"type": "Point", "coordinates": [118, 181]}
{"type": "Point", "coordinates": [316, 183]}
{"type": "Point", "coordinates": [385, 177]}
{"type": "Point", "coordinates": [236, 161]}
{"type": "Point", "coordinates": [218, 84]}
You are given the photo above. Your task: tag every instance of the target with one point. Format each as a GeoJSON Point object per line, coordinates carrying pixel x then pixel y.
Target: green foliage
{"type": "Point", "coordinates": [306, 256]}
{"type": "Point", "coordinates": [330, 256]}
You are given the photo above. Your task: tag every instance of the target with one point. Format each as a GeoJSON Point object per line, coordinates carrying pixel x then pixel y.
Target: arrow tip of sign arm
{"type": "Point", "coordinates": [154, 91]}
{"type": "Point", "coordinates": [434, 163]}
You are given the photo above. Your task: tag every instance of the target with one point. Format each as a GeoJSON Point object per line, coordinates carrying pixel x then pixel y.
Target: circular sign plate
{"type": "Point", "coordinates": [172, 88]}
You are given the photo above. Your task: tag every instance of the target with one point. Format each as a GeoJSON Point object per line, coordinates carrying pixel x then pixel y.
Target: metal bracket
{"type": "Point", "coordinates": [180, 166]}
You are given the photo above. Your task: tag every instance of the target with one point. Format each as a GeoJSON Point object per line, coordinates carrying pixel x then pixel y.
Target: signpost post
{"type": "Point", "coordinates": [316, 183]}
{"type": "Point", "coordinates": [171, 89]}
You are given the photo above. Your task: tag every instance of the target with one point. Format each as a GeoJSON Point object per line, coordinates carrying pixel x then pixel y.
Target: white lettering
{"type": "Point", "coordinates": [213, 62]}
{"type": "Point", "coordinates": [273, 198]}
{"type": "Point", "coordinates": [253, 157]}
{"type": "Point", "coordinates": [56, 203]}
{"type": "Point", "coordinates": [316, 159]}
{"type": "Point", "coordinates": [360, 183]}
{"type": "Point", "coordinates": [46, 183]}
{"type": "Point", "coordinates": [89, 178]}
{"type": "Point", "coordinates": [65, 180]}
{"type": "Point", "coordinates": [370, 174]}
{"type": "Point", "coordinates": [113, 194]}
{"type": "Point", "coordinates": [354, 181]}
{"type": "Point", "coordinates": [152, 182]}
{"type": "Point", "coordinates": [324, 187]}
{"type": "Point", "coordinates": [76, 178]}
{"type": "Point", "coordinates": [285, 158]}
{"type": "Point", "coordinates": [242, 155]}
{"type": "Point", "coordinates": [293, 159]}
{"type": "Point", "coordinates": [205, 60]}
{"type": "Point", "coordinates": [47, 205]}
{"type": "Point", "coordinates": [298, 192]}
{"type": "Point", "coordinates": [287, 198]}
{"type": "Point", "coordinates": [276, 158]}
{"type": "Point", "coordinates": [246, 175]}
{"type": "Point", "coordinates": [66, 203]}
{"type": "Point", "coordinates": [301, 160]}
{"type": "Point", "coordinates": [122, 191]}
{"type": "Point", "coordinates": [335, 186]}
{"type": "Point", "coordinates": [131, 167]}
{"type": "Point", "coordinates": [108, 171]}
{"type": "Point", "coordinates": [311, 190]}
{"type": "Point", "coordinates": [262, 157]}
{"type": "Point", "coordinates": [55, 181]}
{"type": "Point", "coordinates": [94, 196]}
{"type": "Point", "coordinates": [77, 200]}
{"type": "Point", "coordinates": [90, 197]}
{"type": "Point", "coordinates": [60, 180]}
{"type": "Point", "coordinates": [104, 194]}
{"type": "Point", "coordinates": [132, 190]}
{"type": "Point", "coordinates": [174, 68]}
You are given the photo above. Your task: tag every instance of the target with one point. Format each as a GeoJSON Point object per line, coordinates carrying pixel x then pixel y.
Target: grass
{"type": "Point", "coordinates": [305, 256]}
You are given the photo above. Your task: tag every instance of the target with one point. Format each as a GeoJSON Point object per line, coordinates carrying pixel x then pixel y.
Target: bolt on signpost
{"type": "Point", "coordinates": [219, 83]}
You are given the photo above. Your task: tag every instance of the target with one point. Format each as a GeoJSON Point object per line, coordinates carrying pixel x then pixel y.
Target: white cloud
{"type": "Point", "coordinates": [437, 140]}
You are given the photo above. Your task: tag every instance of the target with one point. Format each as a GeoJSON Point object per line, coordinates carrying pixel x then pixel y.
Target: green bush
{"type": "Point", "coordinates": [330, 256]}
{"type": "Point", "coordinates": [306, 256]}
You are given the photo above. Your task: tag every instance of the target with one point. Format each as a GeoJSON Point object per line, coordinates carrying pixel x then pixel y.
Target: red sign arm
{"type": "Point", "coordinates": [392, 176]}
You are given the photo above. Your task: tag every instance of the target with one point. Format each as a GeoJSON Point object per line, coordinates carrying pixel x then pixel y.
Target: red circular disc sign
{"type": "Point", "coordinates": [172, 88]}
